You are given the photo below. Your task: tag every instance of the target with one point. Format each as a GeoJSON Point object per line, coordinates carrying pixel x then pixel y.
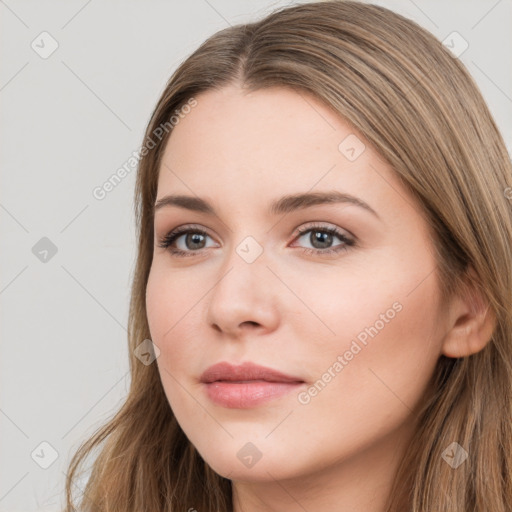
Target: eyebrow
{"type": "Point", "coordinates": [285, 204]}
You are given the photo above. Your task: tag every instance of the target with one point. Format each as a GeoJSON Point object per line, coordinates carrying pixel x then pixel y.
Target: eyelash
{"type": "Point", "coordinates": [166, 241]}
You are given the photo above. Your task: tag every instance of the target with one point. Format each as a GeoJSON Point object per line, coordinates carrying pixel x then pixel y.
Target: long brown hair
{"type": "Point", "coordinates": [420, 109]}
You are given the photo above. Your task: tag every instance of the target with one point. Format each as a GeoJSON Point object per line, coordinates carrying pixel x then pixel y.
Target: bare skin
{"type": "Point", "coordinates": [293, 309]}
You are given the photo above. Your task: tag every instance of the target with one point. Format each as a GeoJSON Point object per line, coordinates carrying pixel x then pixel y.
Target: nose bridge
{"type": "Point", "coordinates": [242, 293]}
{"type": "Point", "coordinates": [243, 272]}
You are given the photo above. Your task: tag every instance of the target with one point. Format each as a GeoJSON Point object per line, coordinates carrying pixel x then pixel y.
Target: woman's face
{"type": "Point", "coordinates": [348, 307]}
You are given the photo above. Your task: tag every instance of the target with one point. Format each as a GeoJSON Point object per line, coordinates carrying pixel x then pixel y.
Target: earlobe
{"type": "Point", "coordinates": [471, 323]}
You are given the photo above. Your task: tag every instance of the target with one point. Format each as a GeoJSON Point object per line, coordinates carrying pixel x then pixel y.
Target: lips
{"type": "Point", "coordinates": [247, 385]}
{"type": "Point", "coordinates": [246, 372]}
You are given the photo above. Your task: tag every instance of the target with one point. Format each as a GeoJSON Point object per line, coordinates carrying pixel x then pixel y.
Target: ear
{"type": "Point", "coordinates": [471, 321]}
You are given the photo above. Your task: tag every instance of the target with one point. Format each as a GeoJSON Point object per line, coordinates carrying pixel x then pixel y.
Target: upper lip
{"type": "Point", "coordinates": [244, 372]}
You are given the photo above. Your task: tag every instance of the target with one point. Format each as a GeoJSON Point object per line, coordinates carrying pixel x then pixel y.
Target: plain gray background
{"type": "Point", "coordinates": [69, 121]}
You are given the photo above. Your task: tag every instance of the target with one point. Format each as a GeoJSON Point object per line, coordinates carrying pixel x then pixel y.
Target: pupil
{"type": "Point", "coordinates": [195, 238]}
{"type": "Point", "coordinates": [322, 238]}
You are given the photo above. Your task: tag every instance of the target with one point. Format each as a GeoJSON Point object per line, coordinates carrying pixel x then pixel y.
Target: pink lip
{"type": "Point", "coordinates": [246, 385]}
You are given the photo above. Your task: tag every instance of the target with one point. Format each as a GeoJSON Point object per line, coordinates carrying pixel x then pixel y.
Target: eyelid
{"type": "Point", "coordinates": [299, 231]}
{"type": "Point", "coordinates": [183, 228]}
{"type": "Point", "coordinates": [322, 225]}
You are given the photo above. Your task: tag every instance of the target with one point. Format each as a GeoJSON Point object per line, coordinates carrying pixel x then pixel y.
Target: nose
{"type": "Point", "coordinates": [244, 298]}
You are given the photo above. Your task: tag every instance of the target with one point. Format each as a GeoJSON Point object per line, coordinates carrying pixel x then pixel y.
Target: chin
{"type": "Point", "coordinates": [234, 467]}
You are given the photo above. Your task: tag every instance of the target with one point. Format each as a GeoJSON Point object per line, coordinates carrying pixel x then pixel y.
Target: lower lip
{"type": "Point", "coordinates": [237, 395]}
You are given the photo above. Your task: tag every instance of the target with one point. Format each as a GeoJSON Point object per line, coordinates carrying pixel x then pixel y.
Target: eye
{"type": "Point", "coordinates": [190, 240]}
{"type": "Point", "coordinates": [321, 239]}
{"type": "Point", "coordinates": [184, 241]}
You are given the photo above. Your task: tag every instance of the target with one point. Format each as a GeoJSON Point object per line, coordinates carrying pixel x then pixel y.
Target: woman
{"type": "Point", "coordinates": [321, 311]}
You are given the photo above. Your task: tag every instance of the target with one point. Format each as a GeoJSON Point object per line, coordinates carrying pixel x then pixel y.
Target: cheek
{"type": "Point", "coordinates": [171, 312]}
{"type": "Point", "coordinates": [172, 319]}
{"type": "Point", "coordinates": [159, 313]}
{"type": "Point", "coordinates": [386, 341]}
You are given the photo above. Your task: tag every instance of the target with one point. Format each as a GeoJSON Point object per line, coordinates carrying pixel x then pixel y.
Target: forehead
{"type": "Point", "coordinates": [264, 132]}
{"type": "Point", "coordinates": [246, 146]}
